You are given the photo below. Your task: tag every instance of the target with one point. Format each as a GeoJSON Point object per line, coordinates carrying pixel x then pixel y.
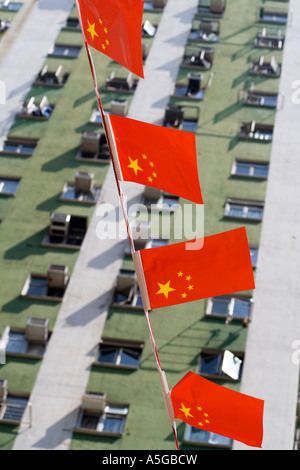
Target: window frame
{"type": "Point", "coordinates": [107, 412]}
{"type": "Point", "coordinates": [120, 345]}
{"type": "Point", "coordinates": [187, 439]}
{"type": "Point", "coordinates": [19, 142]}
{"type": "Point", "coordinates": [4, 179]}
{"type": "Point", "coordinates": [245, 205]}
{"type": "Point", "coordinates": [230, 310]}
{"type": "Point", "coordinates": [48, 298]}
{"type": "Point", "coordinates": [252, 164]}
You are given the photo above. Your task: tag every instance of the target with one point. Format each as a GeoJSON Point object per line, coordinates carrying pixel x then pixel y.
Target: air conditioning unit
{"type": "Point", "coordinates": [119, 107]}
{"type": "Point", "coordinates": [3, 390]}
{"type": "Point", "coordinates": [90, 142]}
{"type": "Point", "coordinates": [217, 6]}
{"type": "Point", "coordinates": [94, 401]}
{"type": "Point", "coordinates": [37, 330]}
{"type": "Point", "coordinates": [59, 224]}
{"type": "Point", "coordinates": [57, 276]}
{"type": "Point", "coordinates": [84, 182]}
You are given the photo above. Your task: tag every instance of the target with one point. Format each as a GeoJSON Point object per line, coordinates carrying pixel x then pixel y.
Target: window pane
{"type": "Point", "coordinates": [260, 170]}
{"type": "Point", "coordinates": [114, 424]}
{"type": "Point", "coordinates": [37, 286]}
{"type": "Point", "coordinates": [241, 308]}
{"type": "Point", "coordinates": [89, 421]}
{"type": "Point", "coordinates": [107, 355]}
{"type": "Point", "coordinates": [242, 168]}
{"type": "Point", "coordinates": [235, 211]}
{"type": "Point", "coordinates": [210, 364]}
{"type": "Point", "coordinates": [15, 408]}
{"type": "Point", "coordinates": [130, 357]}
{"type": "Point", "coordinates": [254, 254]}
{"type": "Point", "coordinates": [8, 186]}
{"type": "Point", "coordinates": [16, 343]}
{"type": "Point", "coordinates": [220, 306]}
{"type": "Point", "coordinates": [254, 212]}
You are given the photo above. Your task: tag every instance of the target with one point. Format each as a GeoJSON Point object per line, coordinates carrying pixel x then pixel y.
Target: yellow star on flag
{"type": "Point", "coordinates": [91, 30]}
{"type": "Point", "coordinates": [186, 411]}
{"type": "Point", "coordinates": [134, 165]}
{"type": "Point", "coordinates": [180, 274]}
{"type": "Point", "coordinates": [165, 289]}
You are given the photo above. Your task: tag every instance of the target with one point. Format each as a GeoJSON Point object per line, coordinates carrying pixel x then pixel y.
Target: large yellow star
{"type": "Point", "coordinates": [165, 289]}
{"type": "Point", "coordinates": [134, 165]}
{"type": "Point", "coordinates": [186, 411]}
{"type": "Point", "coordinates": [91, 29]}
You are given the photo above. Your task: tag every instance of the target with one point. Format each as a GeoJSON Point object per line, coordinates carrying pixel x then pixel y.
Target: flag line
{"type": "Point", "coordinates": [164, 385]}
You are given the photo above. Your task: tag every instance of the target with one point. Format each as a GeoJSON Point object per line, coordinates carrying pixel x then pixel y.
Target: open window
{"type": "Point", "coordinates": [199, 58]}
{"type": "Point", "coordinates": [214, 362]}
{"type": "Point", "coordinates": [19, 146]}
{"type": "Point", "coordinates": [52, 78]}
{"type": "Point", "coordinates": [127, 293]}
{"type": "Point", "coordinates": [269, 40]}
{"type": "Point", "coordinates": [206, 31]}
{"type": "Point", "coordinates": [34, 110]}
{"type": "Point", "coordinates": [98, 417]}
{"type": "Point", "coordinates": [82, 190]}
{"type": "Point", "coordinates": [182, 117]}
{"type": "Point", "coordinates": [262, 99]}
{"type": "Point", "coordinates": [262, 68]}
{"type": "Point", "coordinates": [9, 185]}
{"type": "Point", "coordinates": [94, 148]}
{"type": "Point", "coordinates": [256, 132]}
{"type": "Point", "coordinates": [119, 353]}
{"type": "Point", "coordinates": [244, 209]}
{"type": "Point", "coordinates": [192, 90]}
{"type": "Point", "coordinates": [272, 16]}
{"type": "Point", "coordinates": [65, 50]}
{"type": "Point", "coordinates": [121, 84]}
{"type": "Point", "coordinates": [29, 342]}
{"type": "Point", "coordinates": [66, 231]}
{"type": "Point", "coordinates": [12, 405]}
{"type": "Point", "coordinates": [50, 286]}
{"type": "Point", "coordinates": [215, 8]}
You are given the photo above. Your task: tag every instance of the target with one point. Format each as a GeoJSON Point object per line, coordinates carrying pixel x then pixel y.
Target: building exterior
{"type": "Point", "coordinates": [78, 370]}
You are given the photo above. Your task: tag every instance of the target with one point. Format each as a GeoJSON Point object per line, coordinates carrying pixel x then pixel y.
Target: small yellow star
{"type": "Point", "coordinates": [184, 295]}
{"type": "Point", "coordinates": [165, 289]}
{"type": "Point", "coordinates": [190, 287]}
{"type": "Point", "coordinates": [134, 165]}
{"type": "Point", "coordinates": [105, 30]}
{"type": "Point", "coordinates": [107, 41]}
{"type": "Point", "coordinates": [207, 421]}
{"type": "Point", "coordinates": [103, 47]}
{"type": "Point", "coordinates": [200, 424]}
{"type": "Point", "coordinates": [144, 157]}
{"type": "Point", "coordinates": [91, 30]}
{"type": "Point", "coordinates": [180, 274]}
{"type": "Point", "coordinates": [199, 408]}
{"type": "Point", "coordinates": [206, 415]}
{"type": "Point", "coordinates": [188, 278]}
{"type": "Point", "coordinates": [152, 164]}
{"type": "Point", "coordinates": [186, 411]}
{"type": "Point", "coordinates": [150, 179]}
{"type": "Point", "coordinates": [154, 174]}
{"type": "Point", "coordinates": [100, 21]}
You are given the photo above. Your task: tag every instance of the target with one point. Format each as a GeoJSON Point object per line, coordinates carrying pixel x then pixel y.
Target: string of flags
{"type": "Point", "coordinates": [216, 265]}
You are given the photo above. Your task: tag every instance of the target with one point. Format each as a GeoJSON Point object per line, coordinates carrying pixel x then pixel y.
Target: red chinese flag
{"type": "Point", "coordinates": [181, 273]}
{"type": "Point", "coordinates": [211, 407]}
{"type": "Point", "coordinates": [114, 27]}
{"type": "Point", "coordinates": [155, 156]}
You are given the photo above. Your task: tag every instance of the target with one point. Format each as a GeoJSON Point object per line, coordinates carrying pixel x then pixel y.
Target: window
{"type": "Point", "coordinates": [261, 98]}
{"type": "Point", "coordinates": [262, 68]}
{"type": "Point", "coordinates": [271, 41]}
{"type": "Point", "coordinates": [66, 231]}
{"type": "Point", "coordinates": [52, 78]}
{"type": "Point", "coordinates": [19, 146]}
{"type": "Point", "coordinates": [250, 169]}
{"type": "Point", "coordinates": [204, 31]}
{"type": "Point", "coordinates": [184, 118]}
{"type": "Point", "coordinates": [156, 5]}
{"type": "Point", "coordinates": [254, 255]}
{"type": "Point", "coordinates": [33, 110]}
{"type": "Point", "coordinates": [94, 148]}
{"type": "Point", "coordinates": [249, 210]}
{"type": "Point", "coordinates": [256, 132]}
{"type": "Point", "coordinates": [119, 353]}
{"type": "Point", "coordinates": [110, 422]}
{"type": "Point", "coordinates": [211, 7]}
{"type": "Point", "coordinates": [198, 58]}
{"type": "Point", "coordinates": [121, 84]}
{"type": "Point", "coordinates": [7, 5]}
{"type": "Point", "coordinates": [268, 16]}
{"type": "Point", "coordinates": [9, 186]}
{"type": "Point", "coordinates": [12, 409]}
{"type": "Point", "coordinates": [19, 343]}
{"type": "Point", "coordinates": [127, 292]}
{"type": "Point", "coordinates": [49, 287]}
{"type": "Point", "coordinates": [237, 308]}
{"type": "Point", "coordinates": [213, 363]}
{"type": "Point", "coordinates": [195, 436]}
{"type": "Point", "coordinates": [64, 50]}
{"type": "Point", "coordinates": [72, 24]}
